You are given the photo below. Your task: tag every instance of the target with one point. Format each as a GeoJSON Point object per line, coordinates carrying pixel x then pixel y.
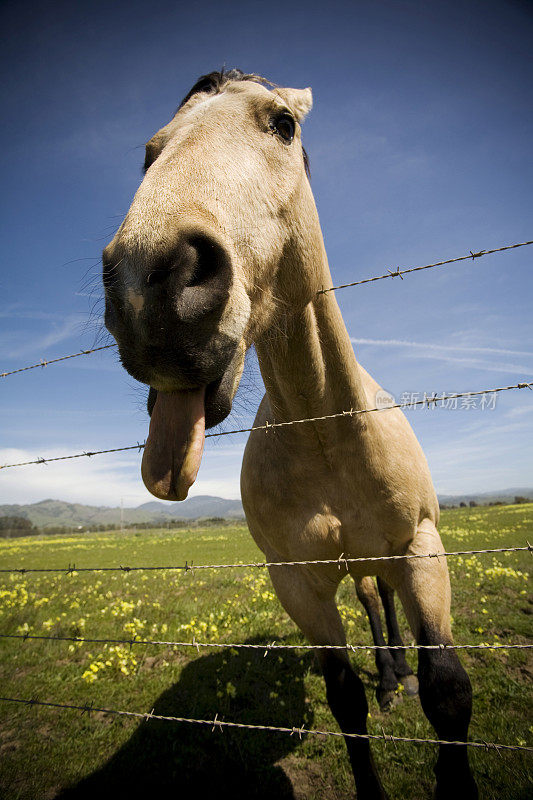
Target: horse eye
{"type": "Point", "coordinates": [284, 126]}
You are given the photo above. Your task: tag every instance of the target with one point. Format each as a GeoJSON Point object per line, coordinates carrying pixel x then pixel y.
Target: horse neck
{"type": "Point", "coordinates": [307, 361]}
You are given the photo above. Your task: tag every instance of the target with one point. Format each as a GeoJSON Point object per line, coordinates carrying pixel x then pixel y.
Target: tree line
{"type": "Point", "coordinates": [13, 527]}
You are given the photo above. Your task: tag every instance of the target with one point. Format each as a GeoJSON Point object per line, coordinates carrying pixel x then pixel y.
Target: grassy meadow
{"type": "Point", "coordinates": [49, 753]}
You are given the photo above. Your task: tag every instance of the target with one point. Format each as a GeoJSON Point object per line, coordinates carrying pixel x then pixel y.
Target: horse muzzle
{"type": "Point", "coordinates": [166, 310]}
{"type": "Point", "coordinates": [166, 313]}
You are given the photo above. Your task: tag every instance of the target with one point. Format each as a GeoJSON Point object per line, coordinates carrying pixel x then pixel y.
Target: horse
{"type": "Point", "coordinates": [222, 249]}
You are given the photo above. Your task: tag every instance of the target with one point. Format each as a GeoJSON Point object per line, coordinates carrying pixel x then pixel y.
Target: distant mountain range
{"type": "Point", "coordinates": [57, 512]}
{"type": "Point", "coordinates": [484, 498]}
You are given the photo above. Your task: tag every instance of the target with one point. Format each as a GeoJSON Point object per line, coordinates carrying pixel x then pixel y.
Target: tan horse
{"type": "Point", "coordinates": [222, 249]}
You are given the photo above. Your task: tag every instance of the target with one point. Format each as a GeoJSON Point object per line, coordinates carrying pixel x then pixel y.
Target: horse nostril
{"type": "Point", "coordinates": [193, 278]}
{"type": "Point", "coordinates": [206, 260]}
{"type": "Point", "coordinates": [157, 276]}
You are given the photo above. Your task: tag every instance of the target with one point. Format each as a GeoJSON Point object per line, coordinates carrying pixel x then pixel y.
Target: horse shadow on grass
{"type": "Point", "coordinates": [178, 760]}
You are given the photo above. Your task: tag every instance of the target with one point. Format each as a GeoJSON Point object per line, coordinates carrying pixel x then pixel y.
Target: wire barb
{"type": "Point", "coordinates": [86, 709]}
{"type": "Point", "coordinates": [395, 274]}
{"type": "Point", "coordinates": [217, 723]}
{"type": "Point", "coordinates": [270, 647]}
{"type": "Point", "coordinates": [343, 560]}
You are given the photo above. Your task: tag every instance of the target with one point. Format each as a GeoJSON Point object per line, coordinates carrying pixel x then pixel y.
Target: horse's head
{"type": "Point", "coordinates": [215, 240]}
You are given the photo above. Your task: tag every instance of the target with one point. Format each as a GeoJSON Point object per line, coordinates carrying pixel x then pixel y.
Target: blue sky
{"type": "Point", "coordinates": [420, 147]}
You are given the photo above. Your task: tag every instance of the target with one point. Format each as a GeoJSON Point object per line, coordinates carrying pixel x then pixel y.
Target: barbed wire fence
{"type": "Point", "coordinates": [399, 273]}
{"type": "Point", "coordinates": [342, 560]}
{"type": "Point", "coordinates": [299, 731]}
{"type": "Point", "coordinates": [428, 401]}
{"type": "Point", "coordinates": [396, 273]}
{"type": "Point", "coordinates": [45, 363]}
{"type": "Point", "coordinates": [270, 646]}
{"type": "Point", "coordinates": [341, 563]}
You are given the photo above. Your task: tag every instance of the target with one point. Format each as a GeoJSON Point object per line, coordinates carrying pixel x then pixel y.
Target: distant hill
{"type": "Point", "coordinates": [484, 498]}
{"type": "Point", "coordinates": [57, 512]}
{"type": "Point", "coordinates": [204, 505]}
{"type": "Point", "coordinates": [49, 513]}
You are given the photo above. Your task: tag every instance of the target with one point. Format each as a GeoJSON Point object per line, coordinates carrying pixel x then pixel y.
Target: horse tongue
{"type": "Point", "coordinates": [175, 443]}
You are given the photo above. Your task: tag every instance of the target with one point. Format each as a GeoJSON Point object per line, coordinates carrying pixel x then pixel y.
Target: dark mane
{"type": "Point", "coordinates": [214, 82]}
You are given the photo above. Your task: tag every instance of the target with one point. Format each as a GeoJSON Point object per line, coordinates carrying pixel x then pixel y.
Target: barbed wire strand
{"type": "Point", "coordinates": [390, 274]}
{"type": "Point", "coordinates": [45, 362]}
{"type": "Point", "coordinates": [299, 731]}
{"type": "Point", "coordinates": [353, 648]}
{"type": "Point", "coordinates": [398, 273]}
{"type": "Point", "coordinates": [191, 567]}
{"type": "Point", "coordinates": [428, 400]}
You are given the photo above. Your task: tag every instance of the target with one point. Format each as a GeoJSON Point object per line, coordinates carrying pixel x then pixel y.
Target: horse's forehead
{"type": "Point", "coordinates": [247, 88]}
{"type": "Point", "coordinates": [235, 97]}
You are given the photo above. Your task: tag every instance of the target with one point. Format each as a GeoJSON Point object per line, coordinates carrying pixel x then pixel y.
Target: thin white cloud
{"type": "Point", "coordinates": [489, 433]}
{"type": "Point", "coordinates": [520, 411]}
{"type": "Point", "coordinates": [35, 344]}
{"type": "Point", "coordinates": [443, 352]}
{"type": "Point", "coordinates": [66, 330]}
{"type": "Point", "coordinates": [478, 363]}
{"type": "Point", "coordinates": [15, 312]}
{"type": "Point", "coordinates": [449, 346]}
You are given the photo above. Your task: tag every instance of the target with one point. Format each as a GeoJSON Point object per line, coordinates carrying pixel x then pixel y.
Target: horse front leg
{"type": "Point", "coordinates": [402, 670]}
{"type": "Point", "coordinates": [386, 690]}
{"type": "Point", "coordinates": [445, 691]}
{"type": "Point", "coordinates": [310, 602]}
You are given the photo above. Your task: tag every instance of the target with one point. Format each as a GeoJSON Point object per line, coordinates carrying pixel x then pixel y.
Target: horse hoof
{"type": "Point", "coordinates": [388, 700]}
{"type": "Point", "coordinates": [410, 684]}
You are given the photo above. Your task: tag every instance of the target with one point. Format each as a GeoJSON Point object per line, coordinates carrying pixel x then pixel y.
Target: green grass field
{"type": "Point", "coordinates": [48, 753]}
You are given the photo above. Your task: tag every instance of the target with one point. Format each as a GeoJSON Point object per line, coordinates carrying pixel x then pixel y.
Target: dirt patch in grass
{"type": "Point", "coordinates": [309, 780]}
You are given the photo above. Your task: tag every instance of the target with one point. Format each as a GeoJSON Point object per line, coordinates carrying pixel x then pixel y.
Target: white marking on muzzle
{"type": "Point", "coordinates": [136, 301]}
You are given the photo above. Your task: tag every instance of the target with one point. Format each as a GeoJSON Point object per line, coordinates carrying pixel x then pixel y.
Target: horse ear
{"type": "Point", "coordinates": [300, 101]}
